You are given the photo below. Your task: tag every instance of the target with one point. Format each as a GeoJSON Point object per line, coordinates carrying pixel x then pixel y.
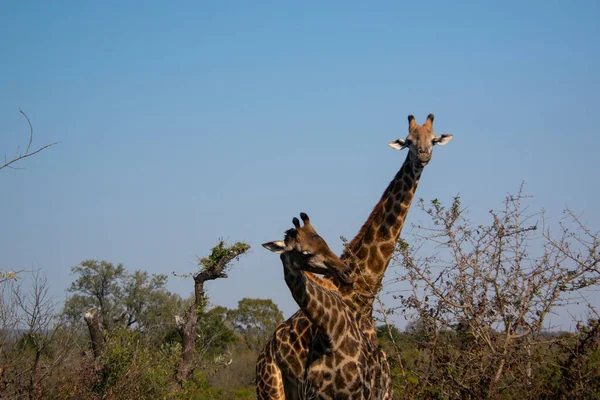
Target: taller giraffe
{"type": "Point", "coordinates": [370, 252]}
{"type": "Point", "coordinates": [368, 255]}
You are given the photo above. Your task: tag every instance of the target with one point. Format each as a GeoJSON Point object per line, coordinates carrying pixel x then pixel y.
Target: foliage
{"type": "Point", "coordinates": [148, 305]}
{"type": "Point", "coordinates": [98, 284]}
{"type": "Point", "coordinates": [255, 320]}
{"type": "Point", "coordinates": [221, 254]}
{"type": "Point", "coordinates": [212, 267]}
{"type": "Point", "coordinates": [197, 387]}
{"type": "Point", "coordinates": [427, 361]}
{"type": "Point", "coordinates": [130, 368]}
{"type": "Point", "coordinates": [213, 331]}
{"type": "Point", "coordinates": [388, 333]}
{"type": "Point", "coordinates": [124, 299]}
{"type": "Point", "coordinates": [551, 375]}
{"type": "Point", "coordinates": [480, 298]}
{"type": "Point", "coordinates": [477, 301]}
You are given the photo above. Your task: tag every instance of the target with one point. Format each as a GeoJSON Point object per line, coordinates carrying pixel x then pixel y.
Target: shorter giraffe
{"type": "Point", "coordinates": [346, 364]}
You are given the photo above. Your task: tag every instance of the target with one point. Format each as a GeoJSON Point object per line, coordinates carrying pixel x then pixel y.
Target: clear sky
{"type": "Point", "coordinates": [182, 122]}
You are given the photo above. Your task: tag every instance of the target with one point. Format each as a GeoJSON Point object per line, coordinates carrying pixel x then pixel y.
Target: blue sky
{"type": "Point", "coordinates": [184, 122]}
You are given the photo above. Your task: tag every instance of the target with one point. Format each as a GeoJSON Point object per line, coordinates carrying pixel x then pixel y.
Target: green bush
{"type": "Point", "coordinates": [133, 368]}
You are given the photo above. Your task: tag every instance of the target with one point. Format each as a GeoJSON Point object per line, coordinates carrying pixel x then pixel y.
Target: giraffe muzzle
{"type": "Point", "coordinates": [424, 158]}
{"type": "Point", "coordinates": [343, 273]}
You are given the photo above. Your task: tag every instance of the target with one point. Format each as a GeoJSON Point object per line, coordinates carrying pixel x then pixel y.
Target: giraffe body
{"type": "Point", "coordinates": [296, 344]}
{"type": "Point", "coordinates": [343, 363]}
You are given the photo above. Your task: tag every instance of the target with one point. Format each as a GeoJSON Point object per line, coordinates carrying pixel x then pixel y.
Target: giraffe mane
{"type": "Point", "coordinates": [326, 283]}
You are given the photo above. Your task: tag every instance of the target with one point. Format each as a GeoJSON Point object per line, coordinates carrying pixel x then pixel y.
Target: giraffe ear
{"type": "Point", "coordinates": [397, 144]}
{"type": "Point", "coordinates": [277, 246]}
{"type": "Point", "coordinates": [442, 139]}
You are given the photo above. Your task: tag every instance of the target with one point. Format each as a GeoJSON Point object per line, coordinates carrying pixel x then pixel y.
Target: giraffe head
{"type": "Point", "coordinates": [420, 140]}
{"type": "Point", "coordinates": [303, 249]}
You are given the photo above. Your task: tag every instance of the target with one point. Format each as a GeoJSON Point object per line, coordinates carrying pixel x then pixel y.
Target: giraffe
{"type": "Point", "coordinates": [352, 366]}
{"type": "Point", "coordinates": [367, 255]}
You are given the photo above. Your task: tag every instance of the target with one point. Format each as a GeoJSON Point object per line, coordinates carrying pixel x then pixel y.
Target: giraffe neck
{"type": "Point", "coordinates": [321, 305]}
{"type": "Point", "coordinates": [369, 253]}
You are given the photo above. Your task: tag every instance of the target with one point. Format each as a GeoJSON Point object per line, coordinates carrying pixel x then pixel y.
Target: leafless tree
{"type": "Point", "coordinates": [19, 154]}
{"type": "Point", "coordinates": [34, 343]}
{"type": "Point", "coordinates": [483, 293]}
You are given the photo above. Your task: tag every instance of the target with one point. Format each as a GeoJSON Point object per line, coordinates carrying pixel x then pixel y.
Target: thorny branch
{"type": "Point", "coordinates": [491, 288]}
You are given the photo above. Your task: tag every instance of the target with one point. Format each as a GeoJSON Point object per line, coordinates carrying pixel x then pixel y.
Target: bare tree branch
{"type": "Point", "coordinates": [20, 156]}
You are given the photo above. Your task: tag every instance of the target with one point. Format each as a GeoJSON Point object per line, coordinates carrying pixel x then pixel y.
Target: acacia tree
{"type": "Point", "coordinates": [483, 294]}
{"type": "Point", "coordinates": [213, 331]}
{"type": "Point", "coordinates": [256, 320]}
{"type": "Point", "coordinates": [145, 299]}
{"type": "Point", "coordinates": [107, 296]}
{"type": "Point", "coordinates": [99, 284]}
{"type": "Point", "coordinates": [122, 298]}
{"type": "Point", "coordinates": [212, 267]}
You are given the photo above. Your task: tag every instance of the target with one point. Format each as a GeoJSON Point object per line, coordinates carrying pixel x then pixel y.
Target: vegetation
{"type": "Point", "coordinates": [46, 353]}
{"type": "Point", "coordinates": [212, 267]}
{"type": "Point", "coordinates": [477, 296]}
